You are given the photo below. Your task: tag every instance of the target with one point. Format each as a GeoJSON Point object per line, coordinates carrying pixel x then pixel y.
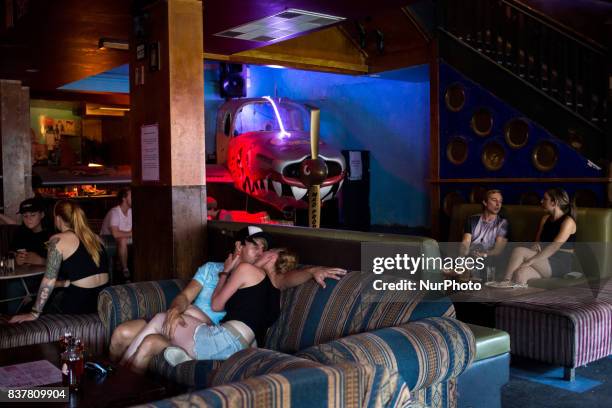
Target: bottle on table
{"type": "Point", "coordinates": [72, 365]}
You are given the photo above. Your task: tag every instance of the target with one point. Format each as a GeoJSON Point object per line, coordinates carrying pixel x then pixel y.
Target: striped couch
{"type": "Point", "coordinates": [49, 328]}
{"type": "Point", "coordinates": [376, 349]}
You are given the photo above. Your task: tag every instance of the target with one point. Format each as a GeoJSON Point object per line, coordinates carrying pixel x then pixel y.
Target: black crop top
{"type": "Point", "coordinates": [551, 229]}
{"type": "Point", "coordinates": [80, 264]}
{"type": "Point", "coordinates": [257, 306]}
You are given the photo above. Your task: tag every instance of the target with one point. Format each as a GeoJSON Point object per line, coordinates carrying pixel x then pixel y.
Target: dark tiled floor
{"type": "Point", "coordinates": [537, 385]}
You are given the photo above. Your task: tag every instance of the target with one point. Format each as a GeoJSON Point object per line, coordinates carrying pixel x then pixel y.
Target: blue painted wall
{"type": "Point", "coordinates": [212, 101]}
{"type": "Point", "coordinates": [387, 115]}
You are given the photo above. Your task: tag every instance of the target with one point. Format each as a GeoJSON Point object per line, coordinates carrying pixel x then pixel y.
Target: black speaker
{"type": "Point", "coordinates": [232, 80]}
{"type": "Point", "coordinates": [355, 192]}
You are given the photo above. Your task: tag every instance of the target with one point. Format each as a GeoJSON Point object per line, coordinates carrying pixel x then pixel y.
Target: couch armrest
{"type": "Point", "coordinates": [142, 300]}
{"type": "Point", "coordinates": [345, 384]}
{"type": "Point", "coordinates": [252, 362]}
{"type": "Point", "coordinates": [195, 374]}
{"type": "Point", "coordinates": [424, 352]}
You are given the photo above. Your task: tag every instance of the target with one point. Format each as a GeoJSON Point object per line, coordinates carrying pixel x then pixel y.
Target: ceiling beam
{"type": "Point", "coordinates": [328, 50]}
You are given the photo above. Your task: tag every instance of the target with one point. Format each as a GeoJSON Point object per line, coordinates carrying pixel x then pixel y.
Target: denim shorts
{"type": "Point", "coordinates": [214, 343]}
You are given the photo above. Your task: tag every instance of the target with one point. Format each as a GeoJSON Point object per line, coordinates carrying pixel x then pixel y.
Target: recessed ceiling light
{"type": "Point", "coordinates": [32, 70]}
{"type": "Point", "coordinates": [284, 24]}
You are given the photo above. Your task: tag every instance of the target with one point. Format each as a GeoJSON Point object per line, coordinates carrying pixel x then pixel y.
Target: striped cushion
{"type": "Point", "coordinates": [252, 362]}
{"type": "Point", "coordinates": [49, 328]}
{"type": "Point", "coordinates": [142, 300]}
{"type": "Point", "coordinates": [311, 315]}
{"type": "Point", "coordinates": [569, 326]}
{"type": "Point", "coordinates": [423, 353]}
{"type": "Point", "coordinates": [193, 373]}
{"type": "Point", "coordinates": [344, 385]}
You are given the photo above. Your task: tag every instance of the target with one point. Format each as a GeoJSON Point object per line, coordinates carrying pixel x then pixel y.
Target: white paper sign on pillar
{"type": "Point", "coordinates": [149, 145]}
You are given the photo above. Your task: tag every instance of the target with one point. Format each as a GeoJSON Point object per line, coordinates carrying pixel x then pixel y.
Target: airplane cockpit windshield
{"type": "Point", "coordinates": [261, 117]}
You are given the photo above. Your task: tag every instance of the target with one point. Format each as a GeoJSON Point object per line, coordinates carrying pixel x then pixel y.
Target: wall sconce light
{"type": "Point", "coordinates": [115, 44]}
{"type": "Point", "coordinates": [108, 108]}
{"type": "Point", "coordinates": [97, 110]}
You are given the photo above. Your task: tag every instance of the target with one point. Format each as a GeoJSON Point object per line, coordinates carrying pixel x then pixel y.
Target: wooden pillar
{"type": "Point", "coordinates": [16, 145]}
{"type": "Point", "coordinates": [167, 98]}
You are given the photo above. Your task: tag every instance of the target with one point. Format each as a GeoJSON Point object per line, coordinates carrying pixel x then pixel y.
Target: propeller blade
{"type": "Point", "coordinates": [314, 206]}
{"type": "Point", "coordinates": [315, 115]}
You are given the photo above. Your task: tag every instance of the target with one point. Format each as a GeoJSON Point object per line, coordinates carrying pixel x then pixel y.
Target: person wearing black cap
{"type": "Point", "coordinates": [28, 243]}
{"type": "Point", "coordinates": [30, 238]}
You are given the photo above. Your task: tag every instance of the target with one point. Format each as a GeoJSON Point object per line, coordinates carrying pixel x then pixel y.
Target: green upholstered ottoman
{"type": "Point", "coordinates": [480, 385]}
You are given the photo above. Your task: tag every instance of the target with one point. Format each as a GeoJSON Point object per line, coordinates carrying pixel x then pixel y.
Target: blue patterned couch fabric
{"type": "Point", "coordinates": [426, 354]}
{"type": "Point", "coordinates": [311, 315]}
{"type": "Point", "coordinates": [342, 385]}
{"type": "Point", "coordinates": [252, 362]}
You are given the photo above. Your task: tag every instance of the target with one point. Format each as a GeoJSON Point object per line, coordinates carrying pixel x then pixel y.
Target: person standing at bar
{"type": "Point", "coordinates": [117, 225]}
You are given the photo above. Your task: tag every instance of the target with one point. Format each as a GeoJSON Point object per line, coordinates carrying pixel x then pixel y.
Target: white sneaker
{"type": "Point", "coordinates": [176, 355]}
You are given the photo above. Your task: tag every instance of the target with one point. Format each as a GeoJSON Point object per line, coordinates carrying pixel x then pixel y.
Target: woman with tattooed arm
{"type": "Point", "coordinates": [79, 256]}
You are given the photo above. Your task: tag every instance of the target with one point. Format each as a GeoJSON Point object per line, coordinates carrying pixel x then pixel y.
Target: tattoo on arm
{"type": "Point", "coordinates": [54, 260]}
{"type": "Point", "coordinates": [46, 287]}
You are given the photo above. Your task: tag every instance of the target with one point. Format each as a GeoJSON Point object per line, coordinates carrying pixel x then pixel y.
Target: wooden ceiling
{"type": "Point", "coordinates": [56, 42]}
{"type": "Point", "coordinates": [52, 43]}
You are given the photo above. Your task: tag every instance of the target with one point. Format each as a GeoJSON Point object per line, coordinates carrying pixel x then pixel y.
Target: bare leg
{"type": "Point", "coordinates": [522, 275]}
{"type": "Point", "coordinates": [153, 327]}
{"type": "Point", "coordinates": [152, 345]}
{"type": "Point", "coordinates": [519, 255]}
{"type": "Point", "coordinates": [183, 336]}
{"type": "Point", "coordinates": [195, 312]}
{"type": "Point", "coordinates": [123, 336]}
{"type": "Point", "coordinates": [537, 270]}
{"type": "Point", "coordinates": [122, 251]}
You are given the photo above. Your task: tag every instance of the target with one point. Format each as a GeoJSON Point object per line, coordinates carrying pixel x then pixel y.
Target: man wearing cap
{"type": "Point", "coordinates": [130, 341]}
{"type": "Point", "coordinates": [30, 238]}
{"type": "Point", "coordinates": [28, 242]}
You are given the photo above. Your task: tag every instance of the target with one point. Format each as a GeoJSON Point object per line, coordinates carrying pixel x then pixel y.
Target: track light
{"type": "Point", "coordinates": [115, 44]}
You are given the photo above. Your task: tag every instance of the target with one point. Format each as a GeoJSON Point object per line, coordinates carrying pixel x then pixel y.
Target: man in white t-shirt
{"type": "Point", "coordinates": [118, 224]}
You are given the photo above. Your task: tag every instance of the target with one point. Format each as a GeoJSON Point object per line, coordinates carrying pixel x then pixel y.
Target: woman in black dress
{"type": "Point", "coordinates": [552, 253]}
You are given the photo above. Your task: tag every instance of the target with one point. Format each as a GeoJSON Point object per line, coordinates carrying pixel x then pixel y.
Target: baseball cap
{"type": "Point", "coordinates": [250, 233]}
{"type": "Point", "coordinates": [31, 205]}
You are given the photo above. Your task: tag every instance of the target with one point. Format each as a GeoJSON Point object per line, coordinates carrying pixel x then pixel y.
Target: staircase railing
{"type": "Point", "coordinates": [571, 70]}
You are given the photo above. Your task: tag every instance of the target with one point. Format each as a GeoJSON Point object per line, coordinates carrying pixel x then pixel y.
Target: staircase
{"type": "Point", "coordinates": [553, 74]}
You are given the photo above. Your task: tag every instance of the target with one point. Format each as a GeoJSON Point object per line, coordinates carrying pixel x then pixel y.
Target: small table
{"type": "Point", "coordinates": [119, 388]}
{"type": "Point", "coordinates": [21, 272]}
